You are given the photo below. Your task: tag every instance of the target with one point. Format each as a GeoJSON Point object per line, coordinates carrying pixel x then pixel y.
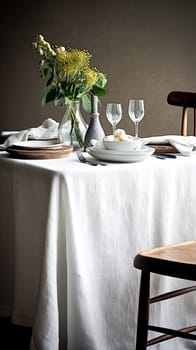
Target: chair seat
{"type": "Point", "coordinates": [177, 260]}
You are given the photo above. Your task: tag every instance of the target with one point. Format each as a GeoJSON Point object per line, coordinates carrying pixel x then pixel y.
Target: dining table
{"type": "Point", "coordinates": [69, 233]}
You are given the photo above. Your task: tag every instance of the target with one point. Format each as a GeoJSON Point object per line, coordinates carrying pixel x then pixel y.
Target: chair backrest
{"type": "Point", "coordinates": [185, 100]}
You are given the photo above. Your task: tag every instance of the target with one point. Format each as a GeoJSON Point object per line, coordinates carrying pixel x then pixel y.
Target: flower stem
{"type": "Point", "coordinates": [75, 125]}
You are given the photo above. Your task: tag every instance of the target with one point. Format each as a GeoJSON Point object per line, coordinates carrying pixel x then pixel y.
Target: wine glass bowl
{"type": "Point", "coordinates": [136, 112]}
{"type": "Point", "coordinates": [114, 114]}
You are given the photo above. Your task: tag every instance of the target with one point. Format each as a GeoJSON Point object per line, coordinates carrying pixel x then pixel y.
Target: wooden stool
{"type": "Point", "coordinates": [186, 100]}
{"type": "Point", "coordinates": [178, 261]}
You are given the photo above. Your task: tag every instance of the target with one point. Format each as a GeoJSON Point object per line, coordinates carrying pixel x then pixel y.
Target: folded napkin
{"type": "Point", "coordinates": [183, 144]}
{"type": "Point", "coordinates": [47, 130]}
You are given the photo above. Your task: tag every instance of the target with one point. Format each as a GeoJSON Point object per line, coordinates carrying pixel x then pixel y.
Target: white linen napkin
{"type": "Point", "coordinates": [47, 130]}
{"type": "Point", "coordinates": [183, 144]}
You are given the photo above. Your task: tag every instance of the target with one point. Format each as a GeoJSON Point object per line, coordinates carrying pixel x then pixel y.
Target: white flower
{"type": "Point", "coordinates": [41, 38]}
{"type": "Point", "coordinates": [41, 52]}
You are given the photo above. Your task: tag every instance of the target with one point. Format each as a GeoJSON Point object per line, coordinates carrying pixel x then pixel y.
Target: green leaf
{"type": "Point", "coordinates": [49, 82]}
{"type": "Point", "coordinates": [49, 95]}
{"type": "Point", "coordinates": [98, 91]}
{"type": "Point", "coordinates": [43, 71]}
{"type": "Point", "coordinates": [86, 103]}
{"type": "Point", "coordinates": [99, 88]}
{"type": "Point", "coordinates": [57, 100]}
{"type": "Point", "coordinates": [101, 81]}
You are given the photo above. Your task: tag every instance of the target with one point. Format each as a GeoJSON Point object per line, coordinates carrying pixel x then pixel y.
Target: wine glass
{"type": "Point", "coordinates": [136, 112]}
{"type": "Point", "coordinates": [114, 114]}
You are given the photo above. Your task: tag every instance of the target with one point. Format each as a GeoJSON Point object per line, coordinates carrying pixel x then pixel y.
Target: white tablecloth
{"type": "Point", "coordinates": [68, 236]}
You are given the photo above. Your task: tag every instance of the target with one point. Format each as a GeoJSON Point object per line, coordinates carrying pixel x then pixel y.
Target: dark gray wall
{"type": "Point", "coordinates": [146, 47]}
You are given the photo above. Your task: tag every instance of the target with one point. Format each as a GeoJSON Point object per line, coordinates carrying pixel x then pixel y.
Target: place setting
{"type": "Point", "coordinates": [119, 146]}
{"type": "Point", "coordinates": [36, 149]}
{"type": "Point", "coordinates": [40, 142]}
{"type": "Point", "coordinates": [125, 151]}
{"type": "Point", "coordinates": [124, 148]}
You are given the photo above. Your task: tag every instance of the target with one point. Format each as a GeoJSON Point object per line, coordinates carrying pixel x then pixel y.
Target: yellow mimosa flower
{"type": "Point", "coordinates": [76, 61]}
{"type": "Point", "coordinates": [91, 76]}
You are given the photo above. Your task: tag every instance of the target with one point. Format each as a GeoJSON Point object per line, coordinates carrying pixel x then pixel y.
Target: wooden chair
{"type": "Point", "coordinates": [185, 100]}
{"type": "Point", "coordinates": [178, 261]}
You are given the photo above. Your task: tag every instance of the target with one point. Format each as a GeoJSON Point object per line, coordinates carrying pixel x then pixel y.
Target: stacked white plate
{"type": "Point", "coordinates": [120, 156]}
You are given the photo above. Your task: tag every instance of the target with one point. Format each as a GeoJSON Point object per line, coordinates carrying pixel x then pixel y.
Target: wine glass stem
{"type": "Point", "coordinates": [114, 127]}
{"type": "Point", "coordinates": [136, 129]}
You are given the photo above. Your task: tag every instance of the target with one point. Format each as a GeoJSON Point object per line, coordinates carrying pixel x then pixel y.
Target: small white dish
{"type": "Point", "coordinates": [130, 144]}
{"type": "Point", "coordinates": [120, 157]}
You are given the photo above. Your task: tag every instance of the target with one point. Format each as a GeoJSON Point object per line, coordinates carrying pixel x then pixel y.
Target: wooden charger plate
{"type": "Point", "coordinates": [163, 148]}
{"type": "Point", "coordinates": [47, 153]}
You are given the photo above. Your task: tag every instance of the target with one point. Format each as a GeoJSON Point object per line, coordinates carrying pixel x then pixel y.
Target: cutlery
{"type": "Point", "coordinates": [165, 156]}
{"type": "Point", "coordinates": [93, 162]}
{"type": "Point", "coordinates": [168, 155]}
{"type": "Point", "coordinates": [159, 157]}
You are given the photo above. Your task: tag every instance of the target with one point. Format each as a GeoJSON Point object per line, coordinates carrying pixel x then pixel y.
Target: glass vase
{"type": "Point", "coordinates": [72, 128]}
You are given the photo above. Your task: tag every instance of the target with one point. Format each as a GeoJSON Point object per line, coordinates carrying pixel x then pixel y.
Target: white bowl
{"type": "Point", "coordinates": [123, 146]}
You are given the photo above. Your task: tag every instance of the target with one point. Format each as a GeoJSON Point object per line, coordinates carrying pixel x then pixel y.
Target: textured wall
{"type": "Point", "coordinates": [146, 48]}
